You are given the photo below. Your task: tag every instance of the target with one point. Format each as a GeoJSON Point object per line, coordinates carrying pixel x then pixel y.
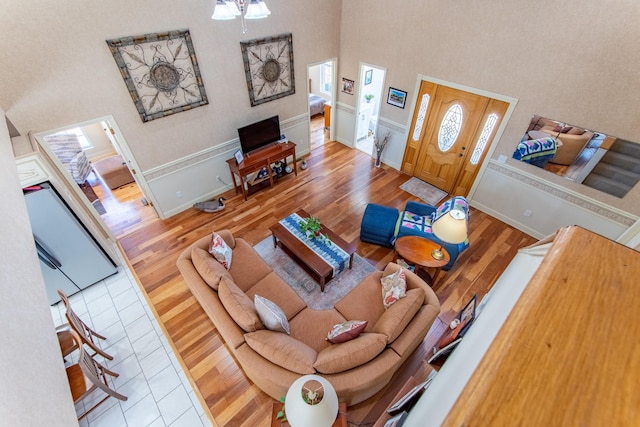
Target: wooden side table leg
{"type": "Point", "coordinates": [434, 276]}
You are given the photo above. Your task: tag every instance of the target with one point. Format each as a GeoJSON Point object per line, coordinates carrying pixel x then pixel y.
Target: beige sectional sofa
{"type": "Point", "coordinates": [572, 139]}
{"type": "Point", "coordinates": [274, 360]}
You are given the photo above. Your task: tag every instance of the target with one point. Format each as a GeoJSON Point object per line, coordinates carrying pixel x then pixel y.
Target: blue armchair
{"type": "Point", "coordinates": [382, 225]}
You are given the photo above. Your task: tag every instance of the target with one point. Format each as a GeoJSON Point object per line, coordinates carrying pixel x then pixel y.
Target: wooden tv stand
{"type": "Point", "coordinates": [261, 158]}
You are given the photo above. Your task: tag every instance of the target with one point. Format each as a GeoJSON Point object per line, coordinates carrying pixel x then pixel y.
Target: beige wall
{"type": "Point", "coordinates": [575, 61]}
{"type": "Point", "coordinates": [58, 70]}
{"type": "Point", "coordinates": [102, 146]}
{"type": "Point", "coordinates": [34, 389]}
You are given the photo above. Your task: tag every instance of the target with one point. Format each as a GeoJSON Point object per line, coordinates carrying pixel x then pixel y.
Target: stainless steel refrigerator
{"type": "Point", "coordinates": [70, 258]}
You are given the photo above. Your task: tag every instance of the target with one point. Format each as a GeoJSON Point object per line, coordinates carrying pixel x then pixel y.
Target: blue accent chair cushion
{"type": "Point", "coordinates": [378, 224]}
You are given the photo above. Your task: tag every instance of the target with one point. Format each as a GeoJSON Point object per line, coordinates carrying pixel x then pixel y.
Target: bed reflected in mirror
{"type": "Point", "coordinates": [580, 154]}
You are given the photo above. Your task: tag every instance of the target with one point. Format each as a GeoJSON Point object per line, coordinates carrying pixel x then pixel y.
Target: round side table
{"type": "Point", "coordinates": [417, 251]}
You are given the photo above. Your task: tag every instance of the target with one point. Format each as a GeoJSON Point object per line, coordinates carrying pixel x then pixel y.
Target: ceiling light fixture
{"type": "Point", "coordinates": [253, 9]}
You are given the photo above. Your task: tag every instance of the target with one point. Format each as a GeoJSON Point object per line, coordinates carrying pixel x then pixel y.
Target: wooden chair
{"type": "Point", "coordinates": [82, 329]}
{"type": "Point", "coordinates": [65, 339]}
{"type": "Point", "coordinates": [87, 376]}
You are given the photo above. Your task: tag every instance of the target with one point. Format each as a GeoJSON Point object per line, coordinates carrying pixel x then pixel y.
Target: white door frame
{"type": "Point", "coordinates": [360, 95]}
{"type": "Point", "coordinates": [121, 147]}
{"type": "Point", "coordinates": [334, 95]}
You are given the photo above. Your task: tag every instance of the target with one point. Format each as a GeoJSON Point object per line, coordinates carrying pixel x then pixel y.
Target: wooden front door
{"type": "Point", "coordinates": [451, 130]}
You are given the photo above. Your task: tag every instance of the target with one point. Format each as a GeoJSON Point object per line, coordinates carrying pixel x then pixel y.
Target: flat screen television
{"type": "Point", "coordinates": [259, 134]}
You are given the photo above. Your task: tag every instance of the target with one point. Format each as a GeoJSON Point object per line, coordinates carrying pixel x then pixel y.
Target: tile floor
{"type": "Point", "coordinates": [159, 393]}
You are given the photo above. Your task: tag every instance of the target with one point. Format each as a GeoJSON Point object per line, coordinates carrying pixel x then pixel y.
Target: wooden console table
{"type": "Point", "coordinates": [261, 158]}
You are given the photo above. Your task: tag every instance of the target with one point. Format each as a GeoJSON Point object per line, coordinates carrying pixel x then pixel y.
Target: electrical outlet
{"type": "Point", "coordinates": [178, 194]}
{"type": "Point", "coordinates": [527, 212]}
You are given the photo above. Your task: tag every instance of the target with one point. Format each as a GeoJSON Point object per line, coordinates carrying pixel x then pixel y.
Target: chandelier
{"type": "Point", "coordinates": [253, 9]}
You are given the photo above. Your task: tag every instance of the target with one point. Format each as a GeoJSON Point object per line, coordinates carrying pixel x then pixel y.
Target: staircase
{"type": "Point", "coordinates": [618, 170]}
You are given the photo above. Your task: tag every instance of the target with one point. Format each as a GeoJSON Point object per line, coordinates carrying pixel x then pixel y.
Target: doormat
{"type": "Point", "coordinates": [427, 192]}
{"type": "Point", "coordinates": [304, 285]}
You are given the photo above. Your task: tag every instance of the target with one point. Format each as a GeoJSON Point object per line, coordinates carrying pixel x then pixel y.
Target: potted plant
{"type": "Point", "coordinates": [311, 228]}
{"type": "Point", "coordinates": [368, 97]}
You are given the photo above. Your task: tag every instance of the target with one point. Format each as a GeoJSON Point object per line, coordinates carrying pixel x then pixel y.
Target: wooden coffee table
{"type": "Point", "coordinates": [313, 264]}
{"type": "Point", "coordinates": [417, 251]}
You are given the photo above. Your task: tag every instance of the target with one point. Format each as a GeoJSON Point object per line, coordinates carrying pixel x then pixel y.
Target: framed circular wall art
{"type": "Point", "coordinates": [161, 72]}
{"type": "Point", "coordinates": [268, 66]}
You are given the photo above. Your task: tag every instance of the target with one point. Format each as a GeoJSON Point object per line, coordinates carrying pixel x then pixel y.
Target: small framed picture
{"type": "Point", "coordinates": [397, 97]}
{"type": "Point", "coordinates": [368, 75]}
{"type": "Point", "coordinates": [238, 156]}
{"type": "Point", "coordinates": [348, 86]}
{"type": "Point", "coordinates": [468, 315]}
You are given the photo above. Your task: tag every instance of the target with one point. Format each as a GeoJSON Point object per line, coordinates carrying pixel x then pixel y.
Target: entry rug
{"type": "Point", "coordinates": [427, 192]}
{"type": "Point", "coordinates": [331, 253]}
{"type": "Point", "coordinates": [304, 285]}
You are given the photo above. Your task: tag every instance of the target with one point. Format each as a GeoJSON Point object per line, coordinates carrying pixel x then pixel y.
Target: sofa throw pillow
{"type": "Point", "coordinates": [346, 331]}
{"type": "Point", "coordinates": [283, 350]}
{"type": "Point", "coordinates": [394, 320]}
{"type": "Point", "coordinates": [239, 306]}
{"type": "Point", "coordinates": [208, 267]}
{"type": "Point", "coordinates": [220, 250]}
{"type": "Point", "coordinates": [394, 287]}
{"type": "Point", "coordinates": [339, 358]}
{"type": "Point", "coordinates": [271, 315]}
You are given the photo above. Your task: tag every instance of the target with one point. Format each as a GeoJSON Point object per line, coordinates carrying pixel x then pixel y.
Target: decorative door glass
{"type": "Point", "coordinates": [484, 137]}
{"type": "Point", "coordinates": [422, 113]}
{"type": "Point", "coordinates": [450, 127]}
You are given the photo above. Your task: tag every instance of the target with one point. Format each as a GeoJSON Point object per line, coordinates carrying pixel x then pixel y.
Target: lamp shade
{"type": "Point", "coordinates": [311, 402]}
{"type": "Point", "coordinates": [451, 227]}
{"type": "Point", "coordinates": [222, 12]}
{"type": "Point", "coordinates": [255, 11]}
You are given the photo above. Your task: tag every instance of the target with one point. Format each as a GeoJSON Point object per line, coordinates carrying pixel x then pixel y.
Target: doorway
{"type": "Point", "coordinates": [321, 93]}
{"type": "Point", "coordinates": [451, 131]}
{"type": "Point", "coordinates": [117, 193]}
{"type": "Point", "coordinates": [368, 105]}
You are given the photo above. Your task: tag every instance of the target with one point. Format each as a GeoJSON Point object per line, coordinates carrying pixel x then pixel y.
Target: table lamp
{"type": "Point", "coordinates": [311, 402]}
{"type": "Point", "coordinates": [449, 228]}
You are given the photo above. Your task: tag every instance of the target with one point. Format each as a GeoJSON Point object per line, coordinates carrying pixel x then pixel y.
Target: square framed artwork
{"type": "Point", "coordinates": [368, 76]}
{"type": "Point", "coordinates": [397, 97]}
{"type": "Point", "coordinates": [161, 72]}
{"type": "Point", "coordinates": [268, 67]}
{"type": "Point", "coordinates": [348, 86]}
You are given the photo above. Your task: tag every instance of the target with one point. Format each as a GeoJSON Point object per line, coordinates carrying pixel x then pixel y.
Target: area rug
{"type": "Point", "coordinates": [427, 192]}
{"type": "Point", "coordinates": [304, 285]}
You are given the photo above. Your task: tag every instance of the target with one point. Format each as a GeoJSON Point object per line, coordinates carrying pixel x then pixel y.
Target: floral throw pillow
{"type": "Point", "coordinates": [346, 331]}
{"type": "Point", "coordinates": [220, 250]}
{"type": "Point", "coordinates": [394, 287]}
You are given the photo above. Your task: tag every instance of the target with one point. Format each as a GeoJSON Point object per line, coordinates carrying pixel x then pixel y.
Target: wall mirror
{"type": "Point", "coordinates": [592, 158]}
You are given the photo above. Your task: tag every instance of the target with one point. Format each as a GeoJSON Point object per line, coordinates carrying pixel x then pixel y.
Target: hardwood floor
{"type": "Point", "coordinates": [336, 187]}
